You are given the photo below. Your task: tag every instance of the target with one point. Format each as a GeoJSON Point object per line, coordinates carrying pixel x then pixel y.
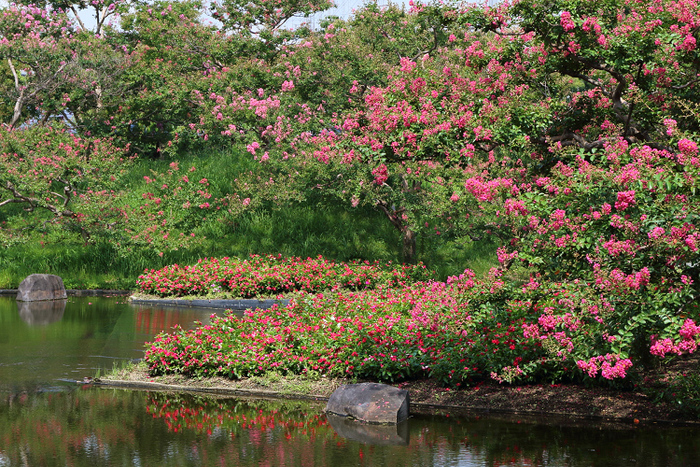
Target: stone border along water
{"type": "Point", "coordinates": [79, 293]}
{"type": "Point", "coordinates": [236, 305]}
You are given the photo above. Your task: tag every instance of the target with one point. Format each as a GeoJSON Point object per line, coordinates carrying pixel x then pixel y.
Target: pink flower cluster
{"type": "Point", "coordinates": [617, 279]}
{"type": "Point", "coordinates": [566, 21]}
{"type": "Point", "coordinates": [689, 333]}
{"type": "Point", "coordinates": [610, 366]}
{"type": "Point", "coordinates": [624, 200]}
{"type": "Point", "coordinates": [486, 190]}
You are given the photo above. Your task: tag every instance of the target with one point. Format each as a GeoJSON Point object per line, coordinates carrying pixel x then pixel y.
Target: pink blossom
{"type": "Point", "coordinates": [515, 206]}
{"type": "Point", "coordinates": [688, 43]}
{"type": "Point", "coordinates": [611, 366]}
{"type": "Point", "coordinates": [566, 21]}
{"type": "Point", "coordinates": [687, 147]}
{"type": "Point", "coordinates": [381, 174]}
{"type": "Point", "coordinates": [504, 256]}
{"type": "Point", "coordinates": [624, 200]}
{"type": "Point", "coordinates": [670, 125]}
{"type": "Point", "coordinates": [252, 147]}
{"type": "Point", "coordinates": [656, 232]}
{"type": "Point", "coordinates": [548, 322]}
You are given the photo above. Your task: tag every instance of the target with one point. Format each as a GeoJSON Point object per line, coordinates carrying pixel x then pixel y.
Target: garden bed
{"type": "Point", "coordinates": [486, 344]}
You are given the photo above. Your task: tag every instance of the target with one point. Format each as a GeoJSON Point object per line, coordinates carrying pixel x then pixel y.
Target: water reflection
{"type": "Point", "coordinates": [48, 341]}
{"type": "Point", "coordinates": [46, 422]}
{"type": "Point", "coordinates": [107, 427]}
{"type": "Point", "coordinates": [365, 433]}
{"type": "Point", "coordinates": [41, 313]}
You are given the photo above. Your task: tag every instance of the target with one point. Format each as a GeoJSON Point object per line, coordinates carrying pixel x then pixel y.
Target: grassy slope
{"type": "Point", "coordinates": [309, 229]}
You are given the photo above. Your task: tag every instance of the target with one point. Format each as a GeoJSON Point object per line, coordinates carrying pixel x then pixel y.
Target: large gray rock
{"type": "Point", "coordinates": [41, 287]}
{"type": "Point", "coordinates": [370, 402]}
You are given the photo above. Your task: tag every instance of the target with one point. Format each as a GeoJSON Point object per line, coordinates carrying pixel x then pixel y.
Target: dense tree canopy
{"type": "Point", "coordinates": [565, 131]}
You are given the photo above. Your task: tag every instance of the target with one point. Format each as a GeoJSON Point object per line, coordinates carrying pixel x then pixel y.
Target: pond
{"type": "Point", "coordinates": [47, 419]}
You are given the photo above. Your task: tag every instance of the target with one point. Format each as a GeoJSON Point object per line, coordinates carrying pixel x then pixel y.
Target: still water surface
{"type": "Point", "coordinates": [47, 420]}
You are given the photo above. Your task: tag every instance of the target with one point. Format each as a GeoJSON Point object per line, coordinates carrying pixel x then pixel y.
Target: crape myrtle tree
{"type": "Point", "coordinates": [53, 178]}
{"type": "Point", "coordinates": [54, 71]}
{"type": "Point", "coordinates": [609, 208]}
{"type": "Point", "coordinates": [102, 12]}
{"type": "Point", "coordinates": [58, 183]}
{"type": "Point", "coordinates": [126, 88]}
{"type": "Point", "coordinates": [568, 129]}
{"type": "Point", "coordinates": [35, 46]}
{"type": "Point", "coordinates": [298, 118]}
{"type": "Point", "coordinates": [178, 54]}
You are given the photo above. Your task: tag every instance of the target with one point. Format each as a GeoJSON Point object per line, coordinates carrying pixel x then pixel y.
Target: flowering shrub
{"type": "Point", "coordinates": [62, 179]}
{"type": "Point", "coordinates": [455, 332]}
{"type": "Point", "coordinates": [271, 275]}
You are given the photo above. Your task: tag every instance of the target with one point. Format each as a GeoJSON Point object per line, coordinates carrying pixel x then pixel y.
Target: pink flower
{"type": "Point", "coordinates": [252, 147]}
{"type": "Point", "coordinates": [566, 21]}
{"type": "Point", "coordinates": [624, 200]}
{"type": "Point", "coordinates": [670, 125]}
{"type": "Point", "coordinates": [287, 86]}
{"type": "Point", "coordinates": [688, 44]}
{"type": "Point", "coordinates": [687, 147]}
{"type": "Point", "coordinates": [381, 174]}
{"type": "Point", "coordinates": [656, 232]}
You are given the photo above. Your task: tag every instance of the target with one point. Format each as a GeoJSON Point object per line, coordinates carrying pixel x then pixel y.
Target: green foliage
{"type": "Point", "coordinates": [305, 230]}
{"type": "Point", "coordinates": [681, 390]}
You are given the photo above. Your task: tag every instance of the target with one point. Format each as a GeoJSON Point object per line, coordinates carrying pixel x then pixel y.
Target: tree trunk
{"type": "Point", "coordinates": [17, 111]}
{"type": "Point", "coordinates": [408, 250]}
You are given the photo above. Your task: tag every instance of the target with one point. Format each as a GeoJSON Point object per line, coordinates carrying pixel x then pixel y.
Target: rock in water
{"type": "Point", "coordinates": [41, 287]}
{"type": "Point", "coordinates": [370, 402]}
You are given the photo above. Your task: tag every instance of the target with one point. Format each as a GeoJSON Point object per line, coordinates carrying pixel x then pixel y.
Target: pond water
{"type": "Point", "coordinates": [47, 419]}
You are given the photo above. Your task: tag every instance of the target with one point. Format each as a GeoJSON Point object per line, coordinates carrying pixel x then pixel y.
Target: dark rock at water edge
{"type": "Point", "coordinates": [37, 287]}
{"type": "Point", "coordinates": [370, 402]}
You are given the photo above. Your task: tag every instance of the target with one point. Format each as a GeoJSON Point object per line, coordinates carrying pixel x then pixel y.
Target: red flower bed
{"type": "Point", "coordinates": [454, 332]}
{"type": "Point", "coordinates": [271, 275]}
